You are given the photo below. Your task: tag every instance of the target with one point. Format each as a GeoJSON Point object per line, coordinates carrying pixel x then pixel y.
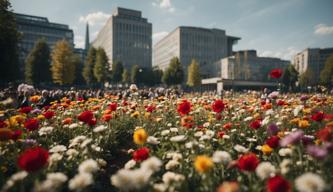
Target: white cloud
{"type": "Point", "coordinates": [323, 29]}
{"type": "Point", "coordinates": [286, 54]}
{"type": "Point", "coordinates": [79, 41]}
{"type": "Point", "coordinates": [158, 36]}
{"type": "Point", "coordinates": [97, 18]}
{"type": "Point", "coordinates": [164, 4]}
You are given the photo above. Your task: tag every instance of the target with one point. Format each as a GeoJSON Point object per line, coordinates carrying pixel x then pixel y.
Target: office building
{"type": "Point", "coordinates": [246, 65]}
{"type": "Point", "coordinates": [312, 58]}
{"type": "Point", "coordinates": [33, 28]}
{"type": "Point", "coordinates": [187, 43]}
{"type": "Point", "coordinates": [126, 37]}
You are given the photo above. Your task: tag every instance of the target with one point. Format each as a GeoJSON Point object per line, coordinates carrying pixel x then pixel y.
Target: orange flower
{"type": "Point", "coordinates": [106, 117]}
{"type": "Point", "coordinates": [187, 121]}
{"type": "Point", "coordinates": [67, 121]}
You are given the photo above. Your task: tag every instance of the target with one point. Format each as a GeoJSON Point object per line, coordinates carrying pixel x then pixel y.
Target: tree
{"type": "Point", "coordinates": [158, 74]}
{"type": "Point", "coordinates": [193, 74]}
{"type": "Point", "coordinates": [37, 66]}
{"type": "Point", "coordinates": [64, 63]}
{"type": "Point", "coordinates": [289, 76]}
{"type": "Point", "coordinates": [88, 67]}
{"type": "Point", "coordinates": [135, 74]}
{"type": "Point", "coordinates": [326, 74]}
{"type": "Point", "coordinates": [306, 79]}
{"type": "Point", "coordinates": [174, 74]}
{"type": "Point", "coordinates": [9, 64]}
{"type": "Point", "coordinates": [126, 78]}
{"type": "Point", "coordinates": [101, 65]}
{"type": "Point", "coordinates": [117, 71]}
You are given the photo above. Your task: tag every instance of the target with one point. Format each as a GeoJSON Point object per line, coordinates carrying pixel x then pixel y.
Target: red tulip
{"type": "Point", "coordinates": [218, 106]}
{"type": "Point", "coordinates": [48, 114]}
{"type": "Point", "coordinates": [278, 184]}
{"type": "Point", "coordinates": [141, 154]}
{"type": "Point", "coordinates": [113, 106]}
{"type": "Point", "coordinates": [273, 141]}
{"type": "Point", "coordinates": [248, 162]}
{"type": "Point", "coordinates": [319, 116]}
{"type": "Point", "coordinates": [184, 107]}
{"type": "Point", "coordinates": [25, 109]}
{"type": "Point", "coordinates": [31, 124]}
{"type": "Point", "coordinates": [86, 116]}
{"type": "Point", "coordinates": [255, 124]}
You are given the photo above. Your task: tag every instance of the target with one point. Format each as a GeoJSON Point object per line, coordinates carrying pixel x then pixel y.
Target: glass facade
{"type": "Point", "coordinates": [33, 28]}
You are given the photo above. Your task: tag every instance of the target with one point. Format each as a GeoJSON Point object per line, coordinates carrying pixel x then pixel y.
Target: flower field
{"type": "Point", "coordinates": [243, 142]}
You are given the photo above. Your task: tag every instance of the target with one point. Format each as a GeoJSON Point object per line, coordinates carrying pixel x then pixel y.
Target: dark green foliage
{"type": "Point", "coordinates": [37, 66]}
{"type": "Point", "coordinates": [326, 75]}
{"type": "Point", "coordinates": [174, 74]}
{"type": "Point", "coordinates": [9, 65]}
{"type": "Point", "coordinates": [101, 65]}
{"type": "Point", "coordinates": [88, 66]}
{"type": "Point", "coordinates": [117, 71]}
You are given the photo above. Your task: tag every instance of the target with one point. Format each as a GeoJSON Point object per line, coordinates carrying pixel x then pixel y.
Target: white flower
{"type": "Point", "coordinates": [171, 164]}
{"type": "Point", "coordinates": [80, 181]}
{"type": "Point", "coordinates": [178, 138]}
{"type": "Point", "coordinates": [248, 118]}
{"type": "Point", "coordinates": [284, 166]}
{"type": "Point", "coordinates": [152, 140]}
{"type": "Point", "coordinates": [198, 134]}
{"type": "Point", "coordinates": [130, 164]}
{"type": "Point", "coordinates": [127, 180]}
{"type": "Point", "coordinates": [71, 153]}
{"type": "Point", "coordinates": [265, 170]}
{"type": "Point", "coordinates": [174, 129]}
{"type": "Point", "coordinates": [101, 162]}
{"type": "Point", "coordinates": [88, 166]}
{"type": "Point", "coordinates": [165, 132]}
{"type": "Point", "coordinates": [174, 155]}
{"type": "Point", "coordinates": [226, 137]}
{"type": "Point", "coordinates": [100, 128]}
{"type": "Point", "coordinates": [45, 131]}
{"type": "Point", "coordinates": [160, 187]}
{"type": "Point", "coordinates": [309, 182]}
{"type": "Point", "coordinates": [85, 143]}
{"type": "Point", "coordinates": [285, 152]}
{"type": "Point", "coordinates": [13, 179]}
{"type": "Point", "coordinates": [73, 125]}
{"type": "Point", "coordinates": [241, 149]}
{"type": "Point", "coordinates": [170, 177]}
{"type": "Point", "coordinates": [57, 177]}
{"type": "Point", "coordinates": [153, 164]}
{"type": "Point", "coordinates": [58, 149]}
{"type": "Point", "coordinates": [297, 110]}
{"type": "Point", "coordinates": [221, 157]}
{"type": "Point", "coordinates": [77, 140]}
{"type": "Point", "coordinates": [54, 158]}
{"type": "Point", "coordinates": [189, 145]}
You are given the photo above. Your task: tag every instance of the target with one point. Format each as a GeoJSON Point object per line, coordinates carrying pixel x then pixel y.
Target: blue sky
{"type": "Point", "coordinates": [278, 28]}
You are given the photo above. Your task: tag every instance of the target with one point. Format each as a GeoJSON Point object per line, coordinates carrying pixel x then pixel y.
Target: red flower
{"type": "Point", "coordinates": [278, 184]}
{"type": "Point", "coordinates": [3, 124]}
{"type": "Point", "coordinates": [48, 114]}
{"type": "Point", "coordinates": [218, 116]}
{"type": "Point", "coordinates": [16, 134]}
{"type": "Point", "coordinates": [227, 126]}
{"type": "Point", "coordinates": [31, 124]}
{"type": "Point", "coordinates": [26, 109]}
{"type": "Point", "coordinates": [113, 106]}
{"type": "Point", "coordinates": [280, 102]}
{"type": "Point", "coordinates": [141, 154]}
{"type": "Point", "coordinates": [86, 116]}
{"type": "Point", "coordinates": [276, 73]}
{"type": "Point", "coordinates": [92, 122]}
{"type": "Point", "coordinates": [255, 124]}
{"type": "Point", "coordinates": [325, 134]}
{"type": "Point", "coordinates": [33, 159]}
{"type": "Point", "coordinates": [106, 117]}
{"type": "Point", "coordinates": [273, 141]}
{"type": "Point", "coordinates": [220, 134]}
{"type": "Point", "coordinates": [218, 106]}
{"type": "Point", "coordinates": [150, 108]}
{"type": "Point", "coordinates": [248, 162]}
{"type": "Point", "coordinates": [319, 116]}
{"type": "Point", "coordinates": [184, 107]}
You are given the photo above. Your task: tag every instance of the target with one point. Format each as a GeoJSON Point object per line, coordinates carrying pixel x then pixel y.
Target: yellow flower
{"type": "Point", "coordinates": [140, 136]}
{"type": "Point", "coordinates": [266, 149]}
{"type": "Point", "coordinates": [307, 110]}
{"type": "Point", "coordinates": [303, 124]}
{"type": "Point", "coordinates": [255, 116]}
{"type": "Point", "coordinates": [294, 121]}
{"type": "Point", "coordinates": [15, 120]}
{"type": "Point", "coordinates": [40, 117]}
{"type": "Point", "coordinates": [203, 163]}
{"type": "Point", "coordinates": [135, 114]}
{"type": "Point", "coordinates": [147, 115]}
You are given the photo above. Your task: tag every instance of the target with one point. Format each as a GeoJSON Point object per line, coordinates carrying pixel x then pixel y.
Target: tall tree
{"type": "Point", "coordinates": [193, 74]}
{"type": "Point", "coordinates": [9, 64]}
{"type": "Point", "coordinates": [289, 76]}
{"type": "Point", "coordinates": [126, 78]}
{"type": "Point", "coordinates": [306, 79]}
{"type": "Point", "coordinates": [88, 67]}
{"type": "Point", "coordinates": [326, 74]}
{"type": "Point", "coordinates": [174, 74]}
{"type": "Point", "coordinates": [135, 76]}
{"type": "Point", "coordinates": [158, 74]}
{"type": "Point", "coordinates": [37, 66]}
{"type": "Point", "coordinates": [101, 65]}
{"type": "Point", "coordinates": [64, 63]}
{"type": "Point", "coordinates": [117, 71]}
